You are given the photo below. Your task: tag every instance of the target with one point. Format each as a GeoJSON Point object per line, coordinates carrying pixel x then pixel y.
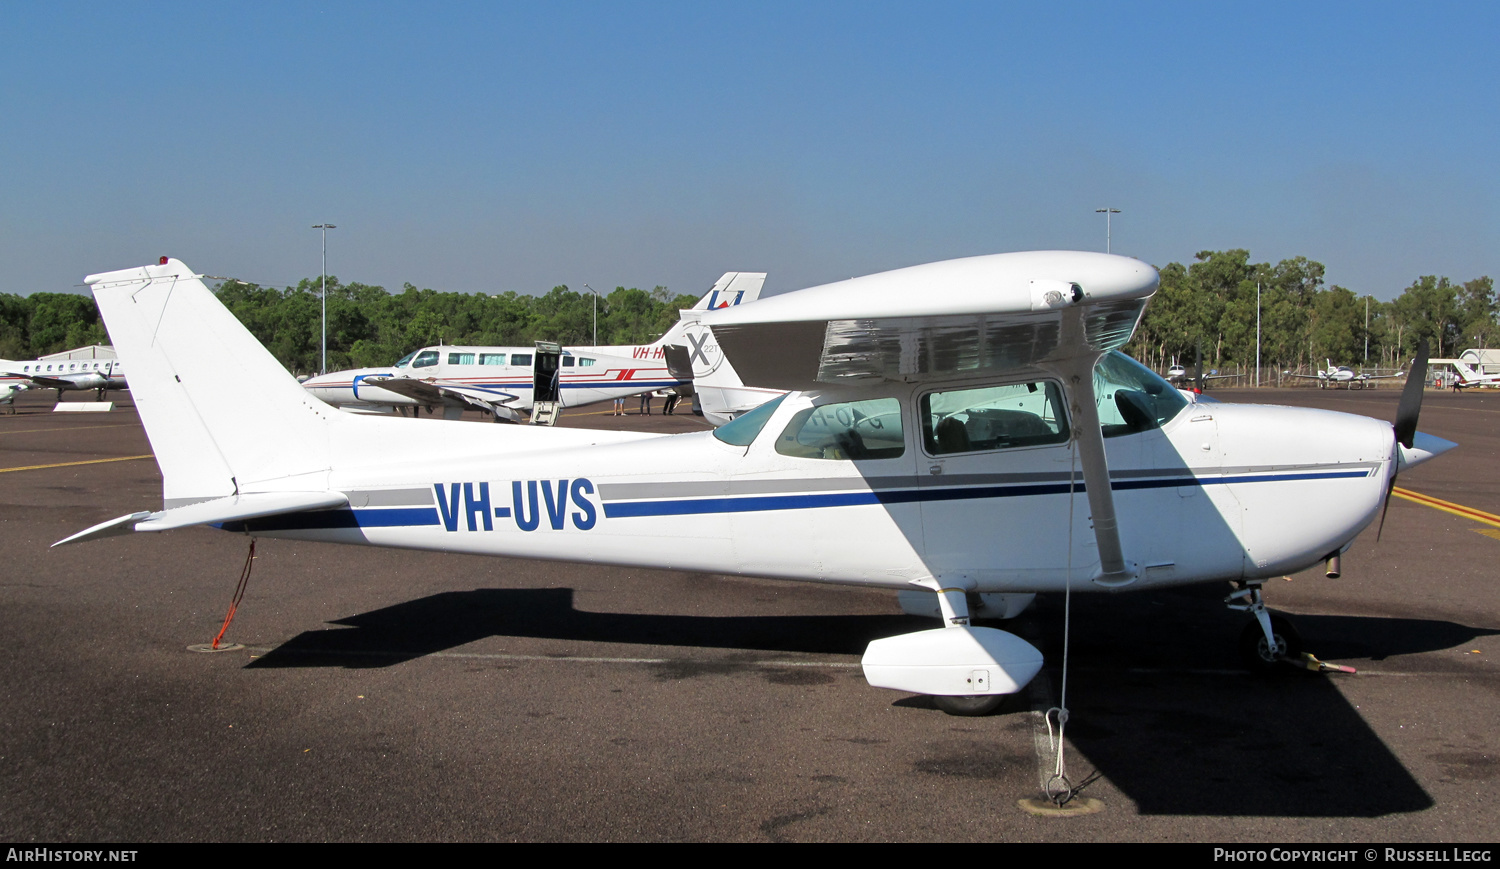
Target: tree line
{"type": "Point", "coordinates": [1211, 300]}
{"type": "Point", "coordinates": [1302, 322]}
{"type": "Point", "coordinates": [367, 326]}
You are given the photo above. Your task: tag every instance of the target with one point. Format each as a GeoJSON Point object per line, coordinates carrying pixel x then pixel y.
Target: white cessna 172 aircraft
{"type": "Point", "coordinates": [962, 430]}
{"type": "Point", "coordinates": [507, 381]}
{"type": "Point", "coordinates": [1343, 375]}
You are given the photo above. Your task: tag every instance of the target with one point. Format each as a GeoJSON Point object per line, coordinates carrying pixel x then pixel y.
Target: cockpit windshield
{"type": "Point", "coordinates": [407, 359]}
{"type": "Point", "coordinates": [1132, 398]}
{"type": "Point", "coordinates": [741, 430]}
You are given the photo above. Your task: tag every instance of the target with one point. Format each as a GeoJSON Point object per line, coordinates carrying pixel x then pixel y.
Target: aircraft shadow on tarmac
{"type": "Point", "coordinates": [445, 621]}
{"type": "Point", "coordinates": [1159, 705]}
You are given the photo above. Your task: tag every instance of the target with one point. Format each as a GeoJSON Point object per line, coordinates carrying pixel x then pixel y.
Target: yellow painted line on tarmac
{"type": "Point", "coordinates": [71, 464]}
{"type": "Point", "coordinates": [1448, 507]}
{"type": "Point", "coordinates": [64, 428]}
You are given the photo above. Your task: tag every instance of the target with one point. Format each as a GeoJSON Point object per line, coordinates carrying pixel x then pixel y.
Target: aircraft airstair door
{"type": "Point", "coordinates": [546, 383]}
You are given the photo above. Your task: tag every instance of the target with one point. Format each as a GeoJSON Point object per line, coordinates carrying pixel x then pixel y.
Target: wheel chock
{"type": "Point", "coordinates": [1309, 661]}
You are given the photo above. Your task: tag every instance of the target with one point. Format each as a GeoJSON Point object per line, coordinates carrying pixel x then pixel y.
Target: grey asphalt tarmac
{"type": "Point", "coordinates": [403, 696]}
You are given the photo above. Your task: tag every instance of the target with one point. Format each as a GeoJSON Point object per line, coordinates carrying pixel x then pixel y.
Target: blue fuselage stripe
{"type": "Point", "coordinates": [402, 517]}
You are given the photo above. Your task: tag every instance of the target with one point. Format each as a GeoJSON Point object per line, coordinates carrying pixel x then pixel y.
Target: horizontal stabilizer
{"type": "Point", "coordinates": [217, 511]}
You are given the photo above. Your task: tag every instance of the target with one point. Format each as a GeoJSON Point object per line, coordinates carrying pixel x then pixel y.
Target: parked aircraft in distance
{"type": "Point", "coordinates": [1466, 377]}
{"type": "Point", "coordinates": [1177, 374]}
{"type": "Point", "coordinates": [504, 380]}
{"type": "Point", "coordinates": [498, 380]}
{"type": "Point", "coordinates": [100, 375]}
{"type": "Point", "coordinates": [962, 430]}
{"type": "Point", "coordinates": [10, 387]}
{"type": "Point", "coordinates": [1343, 375]}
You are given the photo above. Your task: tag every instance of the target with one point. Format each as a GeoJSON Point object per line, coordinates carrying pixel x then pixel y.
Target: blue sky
{"type": "Point", "coordinates": [500, 147]}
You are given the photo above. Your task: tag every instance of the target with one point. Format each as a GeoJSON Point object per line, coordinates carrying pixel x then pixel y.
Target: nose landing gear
{"type": "Point", "coordinates": [1271, 642]}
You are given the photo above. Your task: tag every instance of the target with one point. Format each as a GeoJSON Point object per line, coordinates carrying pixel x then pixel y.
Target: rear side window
{"type": "Point", "coordinates": [520, 359]}
{"type": "Point", "coordinates": [868, 429]}
{"type": "Point", "coordinates": [492, 359]}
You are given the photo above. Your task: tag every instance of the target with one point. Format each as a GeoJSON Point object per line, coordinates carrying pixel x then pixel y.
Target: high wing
{"type": "Point", "coordinates": [962, 317]}
{"type": "Point", "coordinates": [1058, 311]}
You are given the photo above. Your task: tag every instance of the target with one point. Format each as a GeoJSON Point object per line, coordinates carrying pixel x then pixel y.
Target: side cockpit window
{"type": "Point", "coordinates": [993, 418]}
{"type": "Point", "coordinates": [425, 359]}
{"type": "Point", "coordinates": [1132, 398]}
{"type": "Point", "coordinates": [869, 429]}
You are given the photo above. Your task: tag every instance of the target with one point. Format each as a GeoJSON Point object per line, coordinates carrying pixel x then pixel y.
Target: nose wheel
{"type": "Point", "coordinates": [1270, 643]}
{"type": "Point", "coordinates": [1268, 654]}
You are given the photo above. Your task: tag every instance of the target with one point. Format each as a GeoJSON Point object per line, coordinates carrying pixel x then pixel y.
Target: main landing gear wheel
{"type": "Point", "coordinates": [1259, 656]}
{"type": "Point", "coordinates": [970, 705]}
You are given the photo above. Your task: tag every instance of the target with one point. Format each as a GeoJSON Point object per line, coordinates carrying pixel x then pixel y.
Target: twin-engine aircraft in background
{"type": "Point", "coordinates": [100, 375]}
{"type": "Point", "coordinates": [508, 381]}
{"type": "Point", "coordinates": [964, 431]}
{"type": "Point", "coordinates": [503, 381]}
{"type": "Point", "coordinates": [1343, 376]}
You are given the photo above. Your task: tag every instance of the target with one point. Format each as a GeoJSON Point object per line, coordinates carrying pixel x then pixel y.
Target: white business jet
{"type": "Point", "coordinates": [507, 381]}
{"type": "Point", "coordinates": [961, 430]}
{"type": "Point", "coordinates": [1343, 375]}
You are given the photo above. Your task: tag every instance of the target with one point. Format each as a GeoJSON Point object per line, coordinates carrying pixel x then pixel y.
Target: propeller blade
{"type": "Point", "coordinates": [1406, 423]}
{"type": "Point", "coordinates": [1389, 489]}
{"type": "Point", "coordinates": [1411, 398]}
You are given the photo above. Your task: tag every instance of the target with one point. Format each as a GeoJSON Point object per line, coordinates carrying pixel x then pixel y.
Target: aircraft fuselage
{"type": "Point", "coordinates": [1216, 492]}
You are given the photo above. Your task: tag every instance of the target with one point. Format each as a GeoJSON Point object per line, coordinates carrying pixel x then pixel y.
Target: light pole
{"type": "Point", "coordinates": [1106, 212]}
{"type": "Point", "coordinates": [1257, 334]}
{"type": "Point", "coordinates": [325, 227]}
{"type": "Point", "coordinates": [596, 312]}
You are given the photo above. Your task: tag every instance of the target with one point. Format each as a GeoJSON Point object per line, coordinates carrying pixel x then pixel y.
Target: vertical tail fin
{"type": "Point", "coordinates": [220, 411]}
{"type": "Point", "coordinates": [734, 288]}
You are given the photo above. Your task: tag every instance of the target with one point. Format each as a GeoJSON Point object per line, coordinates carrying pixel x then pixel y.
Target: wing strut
{"type": "Point", "coordinates": [1078, 382]}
